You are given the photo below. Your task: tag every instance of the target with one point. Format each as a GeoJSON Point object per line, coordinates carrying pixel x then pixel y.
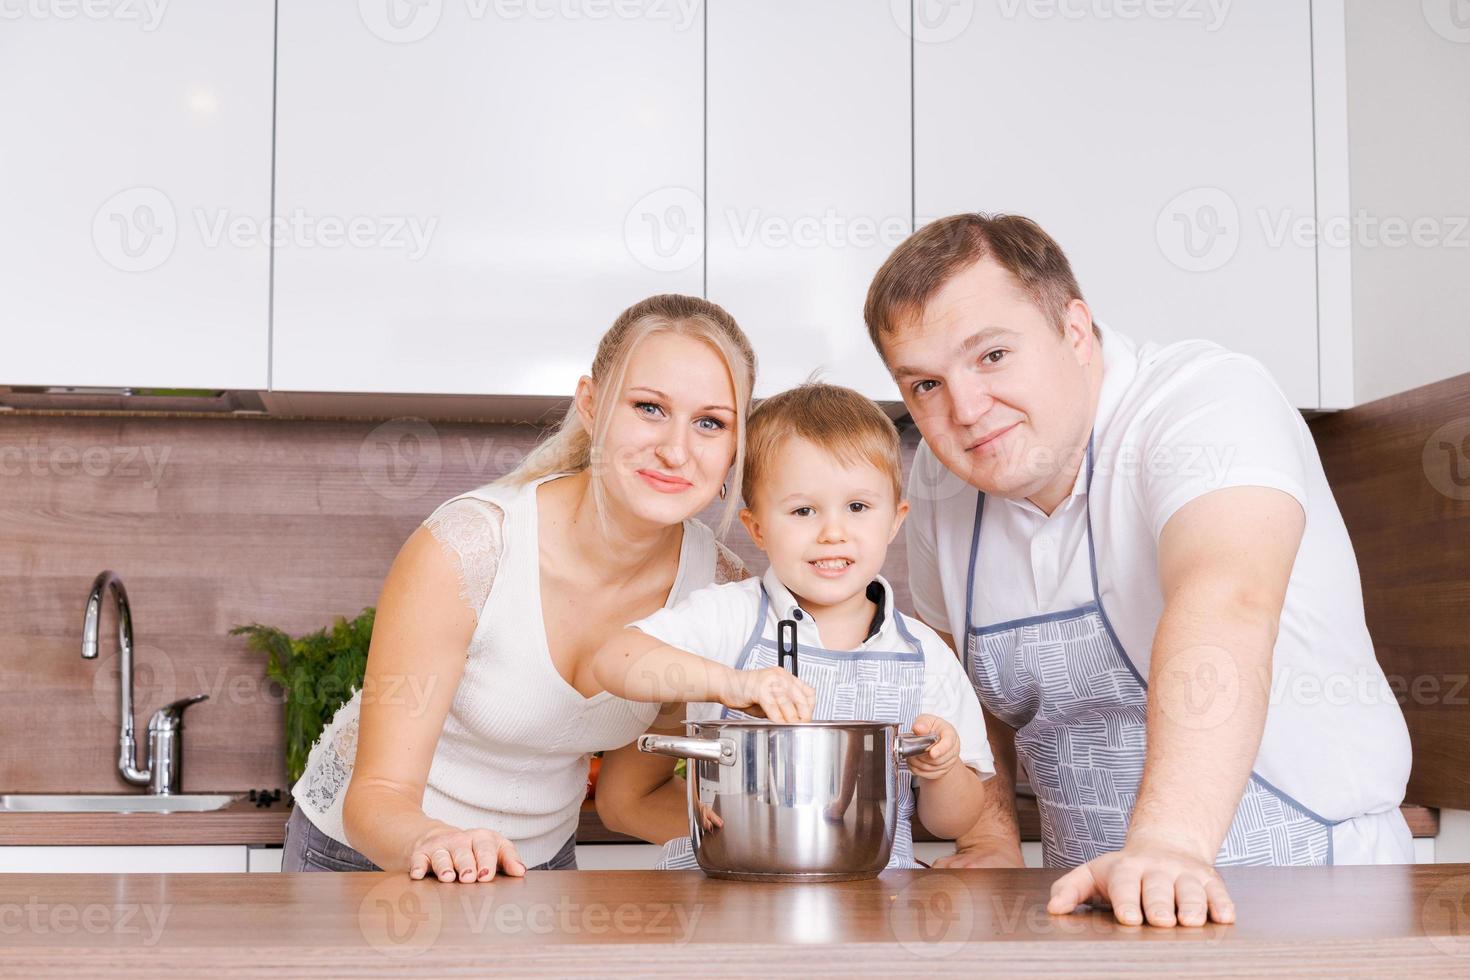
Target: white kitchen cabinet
{"type": "Point", "coordinates": [809, 181]}
{"type": "Point", "coordinates": [1168, 148]}
{"type": "Point", "coordinates": [477, 190]}
{"type": "Point", "coordinates": [134, 193]}
{"type": "Point", "coordinates": [106, 859]}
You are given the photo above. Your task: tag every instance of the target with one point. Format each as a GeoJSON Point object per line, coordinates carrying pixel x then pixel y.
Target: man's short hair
{"type": "Point", "coordinates": [934, 254]}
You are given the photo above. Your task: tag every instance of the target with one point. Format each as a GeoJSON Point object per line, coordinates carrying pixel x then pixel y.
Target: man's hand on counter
{"type": "Point", "coordinates": [1152, 881]}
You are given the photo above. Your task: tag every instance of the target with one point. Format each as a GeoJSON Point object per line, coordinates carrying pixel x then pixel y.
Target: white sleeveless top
{"type": "Point", "coordinates": [514, 751]}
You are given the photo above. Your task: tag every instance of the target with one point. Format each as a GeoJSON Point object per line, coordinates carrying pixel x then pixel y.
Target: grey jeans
{"type": "Point", "coordinates": [308, 849]}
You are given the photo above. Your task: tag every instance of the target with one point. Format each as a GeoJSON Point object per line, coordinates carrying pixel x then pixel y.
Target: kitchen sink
{"type": "Point", "coordinates": [113, 802]}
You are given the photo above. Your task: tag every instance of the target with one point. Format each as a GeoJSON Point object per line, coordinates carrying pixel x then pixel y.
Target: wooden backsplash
{"type": "Point", "coordinates": [211, 523]}
{"type": "Point", "coordinates": [1400, 469]}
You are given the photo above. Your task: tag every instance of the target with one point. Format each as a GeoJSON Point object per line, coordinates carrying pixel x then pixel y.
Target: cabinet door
{"type": "Point", "coordinates": [472, 192]}
{"type": "Point", "coordinates": [135, 193]}
{"type": "Point", "coordinates": [1167, 147]}
{"type": "Point", "coordinates": [809, 179]}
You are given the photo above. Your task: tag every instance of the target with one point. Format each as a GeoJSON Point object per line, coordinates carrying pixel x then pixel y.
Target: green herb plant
{"type": "Point", "coordinates": [318, 671]}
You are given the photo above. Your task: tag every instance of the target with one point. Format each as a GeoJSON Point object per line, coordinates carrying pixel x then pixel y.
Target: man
{"type": "Point", "coordinates": [1135, 552]}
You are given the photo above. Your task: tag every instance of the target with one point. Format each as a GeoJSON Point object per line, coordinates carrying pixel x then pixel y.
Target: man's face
{"type": "Point", "coordinates": [1002, 397]}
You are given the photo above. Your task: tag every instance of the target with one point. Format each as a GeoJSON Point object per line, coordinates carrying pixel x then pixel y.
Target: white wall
{"type": "Point", "coordinates": [1409, 135]}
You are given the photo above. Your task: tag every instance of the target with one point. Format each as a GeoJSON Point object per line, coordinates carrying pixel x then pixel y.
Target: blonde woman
{"type": "Point", "coordinates": [466, 753]}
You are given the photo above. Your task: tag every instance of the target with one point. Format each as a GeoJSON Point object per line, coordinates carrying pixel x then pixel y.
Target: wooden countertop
{"type": "Point", "coordinates": [242, 822]}
{"type": "Point", "coordinates": [245, 823]}
{"type": "Point", "coordinates": [1330, 921]}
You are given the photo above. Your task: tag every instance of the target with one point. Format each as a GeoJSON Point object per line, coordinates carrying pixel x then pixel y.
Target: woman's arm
{"type": "Point", "coordinates": [638, 793]}
{"type": "Point", "coordinates": [420, 640]}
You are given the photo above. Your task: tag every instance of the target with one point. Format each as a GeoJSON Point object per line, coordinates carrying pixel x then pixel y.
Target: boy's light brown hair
{"type": "Point", "coordinates": [930, 257]}
{"type": "Point", "coordinates": [837, 419]}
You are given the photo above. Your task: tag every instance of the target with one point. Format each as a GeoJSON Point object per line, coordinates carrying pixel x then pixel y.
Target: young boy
{"type": "Point", "coordinates": [822, 489]}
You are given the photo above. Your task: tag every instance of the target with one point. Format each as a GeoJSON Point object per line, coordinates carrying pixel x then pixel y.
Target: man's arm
{"type": "Point", "coordinates": [1225, 560]}
{"type": "Point", "coordinates": [995, 839]}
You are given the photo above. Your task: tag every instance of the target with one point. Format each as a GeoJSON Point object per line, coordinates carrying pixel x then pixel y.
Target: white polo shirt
{"type": "Point", "coordinates": [715, 622]}
{"type": "Point", "coordinates": [1174, 423]}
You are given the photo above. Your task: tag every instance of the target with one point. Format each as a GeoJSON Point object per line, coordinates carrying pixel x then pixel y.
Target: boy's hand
{"type": "Point", "coordinates": [943, 755]}
{"type": "Point", "coordinates": [773, 692]}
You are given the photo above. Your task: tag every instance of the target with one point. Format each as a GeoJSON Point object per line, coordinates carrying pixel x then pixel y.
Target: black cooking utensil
{"type": "Point", "coordinates": [786, 644]}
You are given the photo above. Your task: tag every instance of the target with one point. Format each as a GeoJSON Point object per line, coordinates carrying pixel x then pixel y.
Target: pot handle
{"type": "Point", "coordinates": [720, 750]}
{"type": "Point", "coordinates": [909, 745]}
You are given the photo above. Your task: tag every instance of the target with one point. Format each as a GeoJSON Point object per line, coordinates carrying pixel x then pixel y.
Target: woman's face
{"type": "Point", "coordinates": [672, 437]}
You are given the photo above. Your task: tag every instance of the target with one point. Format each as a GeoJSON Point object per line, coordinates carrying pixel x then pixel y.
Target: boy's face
{"type": "Point", "coordinates": [824, 524]}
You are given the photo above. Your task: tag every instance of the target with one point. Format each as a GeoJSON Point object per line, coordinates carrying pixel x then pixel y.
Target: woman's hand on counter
{"type": "Point", "coordinates": [464, 855]}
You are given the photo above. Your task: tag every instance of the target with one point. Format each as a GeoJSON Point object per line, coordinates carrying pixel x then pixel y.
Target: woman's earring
{"type": "Point", "coordinates": [722, 491]}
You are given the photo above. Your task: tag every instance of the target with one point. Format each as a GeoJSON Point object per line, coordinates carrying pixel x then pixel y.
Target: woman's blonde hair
{"type": "Point", "coordinates": [571, 448]}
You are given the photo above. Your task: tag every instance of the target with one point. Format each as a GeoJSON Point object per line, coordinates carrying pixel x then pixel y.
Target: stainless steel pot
{"type": "Point", "coordinates": [816, 801]}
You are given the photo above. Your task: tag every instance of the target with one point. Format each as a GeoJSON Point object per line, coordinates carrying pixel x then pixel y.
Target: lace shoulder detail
{"type": "Point", "coordinates": [471, 532]}
{"type": "Point", "coordinates": [728, 566]}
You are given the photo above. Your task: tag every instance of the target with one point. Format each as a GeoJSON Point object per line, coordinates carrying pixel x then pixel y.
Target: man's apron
{"type": "Point", "coordinates": [1079, 707]}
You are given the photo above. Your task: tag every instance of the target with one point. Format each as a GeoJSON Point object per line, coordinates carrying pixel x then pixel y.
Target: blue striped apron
{"type": "Point", "coordinates": [1079, 707]}
{"type": "Point", "coordinates": [851, 685]}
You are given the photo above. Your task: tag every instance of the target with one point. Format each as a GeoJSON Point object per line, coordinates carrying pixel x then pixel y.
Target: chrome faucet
{"type": "Point", "coordinates": [164, 773]}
